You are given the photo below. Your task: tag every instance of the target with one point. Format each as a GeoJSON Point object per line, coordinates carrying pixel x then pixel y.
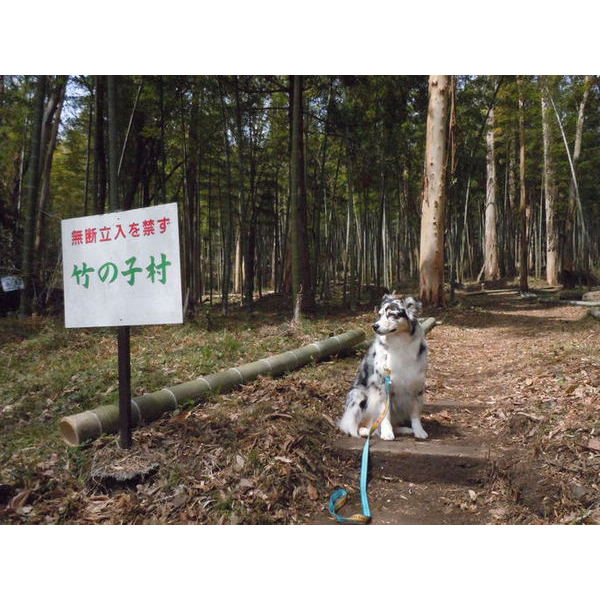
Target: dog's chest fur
{"type": "Point", "coordinates": [406, 357]}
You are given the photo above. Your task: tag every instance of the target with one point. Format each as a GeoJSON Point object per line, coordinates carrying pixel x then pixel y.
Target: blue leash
{"type": "Point", "coordinates": [340, 496]}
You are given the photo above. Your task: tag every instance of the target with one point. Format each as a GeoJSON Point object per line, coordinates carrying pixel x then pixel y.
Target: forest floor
{"type": "Point", "coordinates": [511, 408]}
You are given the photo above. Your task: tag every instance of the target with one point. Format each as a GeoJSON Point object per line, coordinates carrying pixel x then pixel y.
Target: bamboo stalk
{"type": "Point", "coordinates": [91, 424]}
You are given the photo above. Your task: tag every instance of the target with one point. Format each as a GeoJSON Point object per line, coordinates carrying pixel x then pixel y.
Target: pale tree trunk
{"type": "Point", "coordinates": [524, 201]}
{"type": "Point", "coordinates": [246, 210]}
{"type": "Point", "coordinates": [572, 205]}
{"type": "Point", "coordinates": [192, 245]}
{"type": "Point", "coordinates": [237, 275]}
{"type": "Point", "coordinates": [491, 269]}
{"type": "Point", "coordinates": [512, 202]}
{"type": "Point", "coordinates": [549, 190]}
{"type": "Point", "coordinates": [431, 261]}
{"type": "Point", "coordinates": [227, 222]}
{"type": "Point", "coordinates": [584, 233]}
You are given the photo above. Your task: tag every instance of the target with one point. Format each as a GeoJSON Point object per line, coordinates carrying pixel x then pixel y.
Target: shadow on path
{"type": "Point", "coordinates": [525, 317]}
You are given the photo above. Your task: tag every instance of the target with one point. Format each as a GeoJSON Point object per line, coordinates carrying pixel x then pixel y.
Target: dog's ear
{"type": "Point", "coordinates": [412, 304]}
{"type": "Point", "coordinates": [387, 298]}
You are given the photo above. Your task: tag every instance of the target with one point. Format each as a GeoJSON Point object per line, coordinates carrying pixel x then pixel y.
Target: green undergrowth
{"type": "Point", "coordinates": [48, 372]}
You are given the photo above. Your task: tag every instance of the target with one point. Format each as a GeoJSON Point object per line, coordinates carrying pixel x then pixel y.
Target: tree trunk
{"type": "Point", "coordinates": [228, 220]}
{"type": "Point", "coordinates": [193, 250]}
{"type": "Point", "coordinates": [113, 144]}
{"type": "Point", "coordinates": [87, 156]}
{"type": "Point", "coordinates": [524, 202]}
{"type": "Point", "coordinates": [301, 279]}
{"type": "Point", "coordinates": [246, 265]}
{"type": "Point", "coordinates": [549, 189]}
{"type": "Point", "coordinates": [492, 268]}
{"type": "Point", "coordinates": [99, 147]}
{"type": "Point", "coordinates": [431, 260]}
{"type": "Point", "coordinates": [31, 195]}
{"type": "Point", "coordinates": [568, 267]}
{"type": "Point", "coordinates": [52, 115]}
{"type": "Point", "coordinates": [512, 209]}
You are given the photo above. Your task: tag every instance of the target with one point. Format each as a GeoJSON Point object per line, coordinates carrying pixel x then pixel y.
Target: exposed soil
{"type": "Point", "coordinates": [515, 382]}
{"type": "Point", "coordinates": [535, 369]}
{"type": "Point", "coordinates": [520, 381]}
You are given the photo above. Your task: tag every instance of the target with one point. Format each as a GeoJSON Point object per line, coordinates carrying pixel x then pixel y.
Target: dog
{"type": "Point", "coordinates": [400, 346]}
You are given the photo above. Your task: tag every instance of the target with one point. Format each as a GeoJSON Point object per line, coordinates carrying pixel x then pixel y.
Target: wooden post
{"type": "Point", "coordinates": [124, 387]}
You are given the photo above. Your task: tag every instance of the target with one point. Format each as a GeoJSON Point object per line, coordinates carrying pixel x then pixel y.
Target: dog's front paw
{"type": "Point", "coordinates": [420, 433]}
{"type": "Point", "coordinates": [387, 432]}
{"type": "Point", "coordinates": [418, 430]}
{"type": "Point", "coordinates": [387, 435]}
{"type": "Point", "coordinates": [363, 432]}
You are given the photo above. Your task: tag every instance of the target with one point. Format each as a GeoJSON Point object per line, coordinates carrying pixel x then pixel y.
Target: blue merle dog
{"type": "Point", "coordinates": [400, 346]}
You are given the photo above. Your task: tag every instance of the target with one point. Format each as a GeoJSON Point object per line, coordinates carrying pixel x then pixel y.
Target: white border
{"type": "Point", "coordinates": [313, 37]}
{"type": "Point", "coordinates": [300, 561]}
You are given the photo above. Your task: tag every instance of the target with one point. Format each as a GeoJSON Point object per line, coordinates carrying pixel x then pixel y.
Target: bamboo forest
{"type": "Point", "coordinates": [309, 181]}
{"type": "Point", "coordinates": [326, 258]}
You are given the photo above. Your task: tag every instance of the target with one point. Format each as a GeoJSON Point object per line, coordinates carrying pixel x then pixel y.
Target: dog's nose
{"type": "Point", "coordinates": [376, 327]}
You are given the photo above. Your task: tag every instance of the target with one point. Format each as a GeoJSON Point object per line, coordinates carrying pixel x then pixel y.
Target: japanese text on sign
{"type": "Point", "coordinates": [93, 235]}
{"type": "Point", "coordinates": [157, 271]}
{"type": "Point", "coordinates": [122, 268]}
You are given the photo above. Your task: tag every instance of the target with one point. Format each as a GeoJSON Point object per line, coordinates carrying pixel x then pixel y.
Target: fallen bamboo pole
{"type": "Point", "coordinates": [530, 296]}
{"type": "Point", "coordinates": [571, 302]}
{"type": "Point", "coordinates": [91, 424]}
{"type": "Point", "coordinates": [499, 291]}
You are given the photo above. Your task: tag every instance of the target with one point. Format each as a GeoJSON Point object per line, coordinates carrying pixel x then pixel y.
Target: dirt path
{"type": "Point", "coordinates": [504, 375]}
{"type": "Point", "coordinates": [511, 410]}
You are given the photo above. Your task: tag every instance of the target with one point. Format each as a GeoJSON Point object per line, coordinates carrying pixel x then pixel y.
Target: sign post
{"type": "Point", "coordinates": [122, 269]}
{"type": "Point", "coordinates": [124, 351]}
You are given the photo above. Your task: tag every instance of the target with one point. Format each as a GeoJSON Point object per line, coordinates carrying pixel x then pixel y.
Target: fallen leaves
{"type": "Point", "coordinates": [499, 513]}
{"type": "Point", "coordinates": [17, 503]}
{"type": "Point", "coordinates": [593, 444]}
{"type": "Point", "coordinates": [259, 454]}
{"type": "Point", "coordinates": [313, 493]}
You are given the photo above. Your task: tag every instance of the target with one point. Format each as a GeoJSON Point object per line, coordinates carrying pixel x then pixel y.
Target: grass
{"type": "Point", "coordinates": [48, 372]}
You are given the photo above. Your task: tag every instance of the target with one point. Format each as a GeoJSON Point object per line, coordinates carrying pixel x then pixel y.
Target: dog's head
{"type": "Point", "coordinates": [397, 314]}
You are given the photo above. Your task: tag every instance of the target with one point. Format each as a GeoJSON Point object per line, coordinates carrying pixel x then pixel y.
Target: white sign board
{"type": "Point", "coordinates": [122, 268]}
{"type": "Point", "coordinates": [12, 283]}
